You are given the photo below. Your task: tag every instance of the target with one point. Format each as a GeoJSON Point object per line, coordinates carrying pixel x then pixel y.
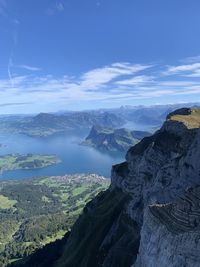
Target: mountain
{"type": "Point", "coordinates": [109, 139]}
{"type": "Point", "coordinates": [76, 120]}
{"type": "Point", "coordinates": [150, 215]}
{"type": "Point", "coordinates": [150, 115]}
{"type": "Point", "coordinates": [46, 124]}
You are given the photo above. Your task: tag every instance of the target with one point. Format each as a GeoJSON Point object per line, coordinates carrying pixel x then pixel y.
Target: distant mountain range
{"type": "Point", "coordinates": [150, 115]}
{"type": "Point", "coordinates": [46, 124]}
{"type": "Point", "coordinates": [109, 139]}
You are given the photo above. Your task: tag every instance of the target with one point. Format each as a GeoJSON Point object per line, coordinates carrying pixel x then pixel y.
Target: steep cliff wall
{"type": "Point", "coordinates": [170, 233]}
{"type": "Point", "coordinates": [146, 228]}
{"type": "Point", "coordinates": [149, 217]}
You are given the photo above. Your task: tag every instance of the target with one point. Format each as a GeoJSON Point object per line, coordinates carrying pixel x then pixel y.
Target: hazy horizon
{"type": "Point", "coordinates": [102, 108]}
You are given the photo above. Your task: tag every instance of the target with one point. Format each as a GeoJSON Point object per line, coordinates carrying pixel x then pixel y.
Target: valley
{"type": "Point", "coordinates": [39, 211]}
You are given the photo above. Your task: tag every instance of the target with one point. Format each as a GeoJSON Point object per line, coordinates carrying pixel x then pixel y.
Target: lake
{"type": "Point", "coordinates": [75, 158]}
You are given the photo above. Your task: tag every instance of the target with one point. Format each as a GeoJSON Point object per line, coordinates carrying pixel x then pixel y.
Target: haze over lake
{"type": "Point", "coordinates": [75, 158]}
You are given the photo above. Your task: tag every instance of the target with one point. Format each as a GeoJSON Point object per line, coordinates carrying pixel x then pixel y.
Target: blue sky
{"type": "Point", "coordinates": [75, 54]}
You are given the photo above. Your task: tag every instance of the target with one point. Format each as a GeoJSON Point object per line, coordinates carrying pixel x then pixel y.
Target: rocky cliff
{"type": "Point", "coordinates": [109, 139]}
{"type": "Point", "coordinates": [170, 233]}
{"type": "Point", "coordinates": [150, 216]}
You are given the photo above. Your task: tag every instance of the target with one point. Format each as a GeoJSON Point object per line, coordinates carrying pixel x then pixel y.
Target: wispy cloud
{"type": "Point", "coordinates": [195, 73]}
{"type": "Point", "coordinates": [191, 59]}
{"type": "Point", "coordinates": [14, 22]}
{"type": "Point", "coordinates": [137, 80]}
{"type": "Point", "coordinates": [10, 64]}
{"type": "Point", "coordinates": [110, 84]}
{"type": "Point", "coordinates": [183, 68]}
{"type": "Point", "coordinates": [188, 70]}
{"type": "Point", "coordinates": [56, 8]}
{"type": "Point", "coordinates": [15, 104]}
{"type": "Point", "coordinates": [98, 77]}
{"type": "Point", "coordinates": [27, 67]}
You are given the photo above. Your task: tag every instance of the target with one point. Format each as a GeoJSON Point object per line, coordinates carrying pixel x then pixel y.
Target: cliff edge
{"type": "Point", "coordinates": [150, 215]}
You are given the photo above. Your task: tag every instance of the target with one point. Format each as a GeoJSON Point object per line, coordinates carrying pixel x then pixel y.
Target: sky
{"type": "Point", "coordinates": [88, 54]}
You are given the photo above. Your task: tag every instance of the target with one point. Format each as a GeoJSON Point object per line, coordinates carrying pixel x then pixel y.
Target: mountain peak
{"type": "Point", "coordinates": [190, 117]}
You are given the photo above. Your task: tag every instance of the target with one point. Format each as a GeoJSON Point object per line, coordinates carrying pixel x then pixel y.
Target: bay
{"type": "Point", "coordinates": [75, 157]}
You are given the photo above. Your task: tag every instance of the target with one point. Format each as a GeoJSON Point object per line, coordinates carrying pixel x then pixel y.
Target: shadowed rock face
{"type": "Point", "coordinates": [148, 217]}
{"type": "Point", "coordinates": [157, 171]}
{"type": "Point", "coordinates": [101, 233]}
{"type": "Point", "coordinates": [181, 216]}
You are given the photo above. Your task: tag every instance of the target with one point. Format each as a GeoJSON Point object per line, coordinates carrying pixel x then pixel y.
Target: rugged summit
{"type": "Point", "coordinates": [109, 139]}
{"type": "Point", "coordinates": [150, 215]}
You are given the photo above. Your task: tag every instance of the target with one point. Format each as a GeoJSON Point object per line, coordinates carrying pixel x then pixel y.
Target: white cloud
{"type": "Point", "coordinates": [26, 67]}
{"type": "Point", "coordinates": [195, 73]}
{"type": "Point", "coordinates": [177, 83]}
{"type": "Point", "coordinates": [191, 59]}
{"type": "Point", "coordinates": [98, 77]}
{"type": "Point", "coordinates": [137, 80]}
{"type": "Point", "coordinates": [117, 81]}
{"type": "Point", "coordinates": [187, 69]}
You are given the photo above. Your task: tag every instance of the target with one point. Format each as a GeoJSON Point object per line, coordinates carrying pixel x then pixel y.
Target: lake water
{"type": "Point", "coordinates": [75, 158]}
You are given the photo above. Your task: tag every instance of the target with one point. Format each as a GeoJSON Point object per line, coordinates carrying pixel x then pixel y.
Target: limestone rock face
{"type": "Point", "coordinates": [170, 233]}
{"type": "Point", "coordinates": [150, 216]}
{"type": "Point", "coordinates": [160, 169]}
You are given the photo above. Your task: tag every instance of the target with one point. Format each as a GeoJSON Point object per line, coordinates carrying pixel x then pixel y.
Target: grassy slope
{"type": "Point", "coordinates": [191, 120]}
{"type": "Point", "coordinates": [37, 205]}
{"type": "Point", "coordinates": [16, 161]}
{"type": "Point", "coordinates": [6, 203]}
